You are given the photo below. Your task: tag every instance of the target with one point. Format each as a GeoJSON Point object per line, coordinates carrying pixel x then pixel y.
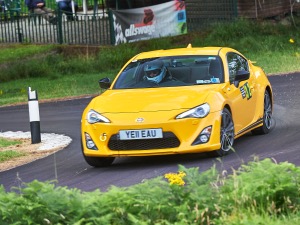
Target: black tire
{"type": "Point", "coordinates": [226, 135]}
{"type": "Point", "coordinates": [267, 117]}
{"type": "Point", "coordinates": [98, 161]}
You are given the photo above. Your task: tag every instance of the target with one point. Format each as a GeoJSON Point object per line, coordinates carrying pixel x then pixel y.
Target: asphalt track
{"type": "Point", "coordinates": [69, 168]}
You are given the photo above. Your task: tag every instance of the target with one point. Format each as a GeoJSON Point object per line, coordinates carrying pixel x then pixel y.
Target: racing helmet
{"type": "Point", "coordinates": [155, 71]}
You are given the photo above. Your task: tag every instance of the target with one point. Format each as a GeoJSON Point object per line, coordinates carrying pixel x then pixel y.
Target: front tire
{"type": "Point", "coordinates": [97, 161]}
{"type": "Point", "coordinates": [226, 135]}
{"type": "Point", "coordinates": [267, 117]}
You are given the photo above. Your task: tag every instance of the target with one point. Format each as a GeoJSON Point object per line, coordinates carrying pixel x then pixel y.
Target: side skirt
{"type": "Point", "coordinates": [251, 127]}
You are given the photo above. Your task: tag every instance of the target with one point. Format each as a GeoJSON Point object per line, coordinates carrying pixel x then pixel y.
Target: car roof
{"type": "Point", "coordinates": [180, 51]}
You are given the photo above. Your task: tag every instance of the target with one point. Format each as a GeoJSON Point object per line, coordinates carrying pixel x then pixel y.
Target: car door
{"type": "Point", "coordinates": [243, 95]}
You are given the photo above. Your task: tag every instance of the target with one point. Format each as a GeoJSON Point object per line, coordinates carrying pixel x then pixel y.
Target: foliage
{"type": "Point", "coordinates": [265, 186]}
{"type": "Point", "coordinates": [261, 192]}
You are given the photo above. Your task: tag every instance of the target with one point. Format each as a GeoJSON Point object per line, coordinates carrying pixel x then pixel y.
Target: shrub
{"type": "Point", "coordinates": [257, 193]}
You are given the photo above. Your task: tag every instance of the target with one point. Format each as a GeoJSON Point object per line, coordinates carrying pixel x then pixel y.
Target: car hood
{"type": "Point", "coordinates": [151, 99]}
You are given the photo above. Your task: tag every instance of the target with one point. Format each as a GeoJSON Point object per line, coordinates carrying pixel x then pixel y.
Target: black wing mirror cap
{"type": "Point", "coordinates": [105, 83]}
{"type": "Point", "coordinates": [240, 76]}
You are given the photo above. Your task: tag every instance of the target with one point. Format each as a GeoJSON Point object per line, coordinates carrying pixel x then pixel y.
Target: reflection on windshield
{"type": "Point", "coordinates": [171, 72]}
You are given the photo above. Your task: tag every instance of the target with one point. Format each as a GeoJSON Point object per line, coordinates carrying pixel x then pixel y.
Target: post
{"type": "Point", "coordinates": [34, 116]}
{"type": "Point", "coordinates": [59, 26]}
{"type": "Point", "coordinates": [20, 35]}
{"type": "Point", "coordinates": [84, 7]}
{"type": "Point", "coordinates": [73, 7]}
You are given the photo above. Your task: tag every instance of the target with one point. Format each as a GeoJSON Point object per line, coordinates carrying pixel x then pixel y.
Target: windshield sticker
{"type": "Point", "coordinates": [211, 58]}
{"type": "Point", "coordinates": [215, 80]}
{"type": "Point", "coordinates": [203, 81]}
{"type": "Point", "coordinates": [246, 91]}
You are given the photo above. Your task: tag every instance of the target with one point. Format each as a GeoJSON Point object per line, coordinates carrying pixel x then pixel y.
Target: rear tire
{"type": "Point", "coordinates": [226, 135]}
{"type": "Point", "coordinates": [98, 161]}
{"type": "Point", "coordinates": [267, 117]}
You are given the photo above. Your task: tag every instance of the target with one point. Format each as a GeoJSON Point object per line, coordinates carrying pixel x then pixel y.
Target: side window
{"type": "Point", "coordinates": [236, 63]}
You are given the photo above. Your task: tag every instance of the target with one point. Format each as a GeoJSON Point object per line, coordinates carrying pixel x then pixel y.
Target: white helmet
{"type": "Point", "coordinates": [155, 71]}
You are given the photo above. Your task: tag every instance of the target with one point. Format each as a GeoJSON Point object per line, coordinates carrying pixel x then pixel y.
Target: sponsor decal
{"type": "Point", "coordinates": [246, 91]}
{"type": "Point", "coordinates": [134, 30]}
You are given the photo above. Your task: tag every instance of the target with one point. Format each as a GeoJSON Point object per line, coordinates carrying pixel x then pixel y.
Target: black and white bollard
{"type": "Point", "coordinates": [34, 116]}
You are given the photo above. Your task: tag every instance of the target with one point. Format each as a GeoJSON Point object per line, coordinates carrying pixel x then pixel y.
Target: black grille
{"type": "Point", "coordinates": [169, 140]}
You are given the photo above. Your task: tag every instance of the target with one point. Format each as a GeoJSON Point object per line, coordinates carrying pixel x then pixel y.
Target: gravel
{"type": "Point", "coordinates": [49, 141]}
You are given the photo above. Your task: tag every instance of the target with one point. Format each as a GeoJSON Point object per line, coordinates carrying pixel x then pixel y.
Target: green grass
{"type": "Point", "coordinates": [68, 85]}
{"type": "Point", "coordinates": [277, 62]}
{"type": "Point", "coordinates": [61, 71]}
{"type": "Point", "coordinates": [6, 142]}
{"type": "Point", "coordinates": [9, 154]}
{"type": "Point", "coordinates": [17, 52]}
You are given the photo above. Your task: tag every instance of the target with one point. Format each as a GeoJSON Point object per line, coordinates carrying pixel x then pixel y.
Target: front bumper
{"type": "Point", "coordinates": [178, 135]}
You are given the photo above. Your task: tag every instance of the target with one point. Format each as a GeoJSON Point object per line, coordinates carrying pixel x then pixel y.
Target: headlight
{"type": "Point", "coordinates": [197, 112]}
{"type": "Point", "coordinates": [94, 117]}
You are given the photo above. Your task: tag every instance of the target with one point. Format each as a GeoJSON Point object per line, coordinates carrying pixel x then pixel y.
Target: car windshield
{"type": "Point", "coordinates": [171, 71]}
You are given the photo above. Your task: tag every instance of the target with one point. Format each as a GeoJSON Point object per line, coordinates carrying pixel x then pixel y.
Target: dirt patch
{"type": "Point", "coordinates": [31, 154]}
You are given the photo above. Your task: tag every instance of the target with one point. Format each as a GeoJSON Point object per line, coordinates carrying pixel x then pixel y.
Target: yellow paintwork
{"type": "Point", "coordinates": [160, 106]}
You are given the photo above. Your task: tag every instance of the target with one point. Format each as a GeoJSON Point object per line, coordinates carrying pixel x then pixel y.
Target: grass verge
{"type": "Point", "coordinates": [66, 86]}
{"type": "Point", "coordinates": [8, 154]}
{"type": "Point", "coordinates": [6, 142]}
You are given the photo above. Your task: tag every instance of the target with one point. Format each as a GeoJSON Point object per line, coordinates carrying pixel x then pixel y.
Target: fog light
{"type": "Point", "coordinates": [89, 142]}
{"type": "Point", "coordinates": [204, 136]}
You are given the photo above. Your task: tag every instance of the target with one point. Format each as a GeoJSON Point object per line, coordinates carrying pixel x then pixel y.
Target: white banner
{"type": "Point", "coordinates": [167, 19]}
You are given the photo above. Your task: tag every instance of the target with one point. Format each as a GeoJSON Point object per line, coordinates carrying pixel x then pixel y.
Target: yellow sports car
{"type": "Point", "coordinates": [177, 101]}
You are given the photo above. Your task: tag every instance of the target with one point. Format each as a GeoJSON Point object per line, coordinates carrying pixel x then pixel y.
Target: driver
{"type": "Point", "coordinates": [155, 71]}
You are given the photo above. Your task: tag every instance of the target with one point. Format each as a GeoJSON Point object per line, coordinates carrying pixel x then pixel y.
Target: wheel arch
{"type": "Point", "coordinates": [227, 106]}
{"type": "Point", "coordinates": [268, 89]}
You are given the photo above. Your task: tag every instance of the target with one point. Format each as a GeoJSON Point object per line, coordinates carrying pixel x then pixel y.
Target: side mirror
{"type": "Point", "coordinates": [240, 76]}
{"type": "Point", "coordinates": [105, 83]}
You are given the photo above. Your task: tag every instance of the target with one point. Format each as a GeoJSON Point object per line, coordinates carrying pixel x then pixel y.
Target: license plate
{"type": "Point", "coordinates": [140, 134]}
